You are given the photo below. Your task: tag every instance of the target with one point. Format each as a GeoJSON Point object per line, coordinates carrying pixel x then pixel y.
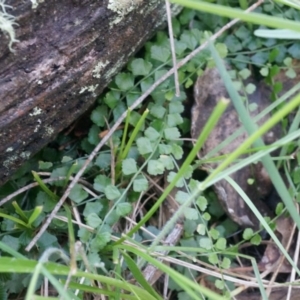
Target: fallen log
{"type": "Point", "coordinates": [66, 54]}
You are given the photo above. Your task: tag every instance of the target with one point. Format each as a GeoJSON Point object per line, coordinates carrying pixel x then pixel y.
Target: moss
{"type": "Point", "coordinates": [98, 68]}
{"type": "Point", "coordinates": [35, 3]}
{"type": "Point", "coordinates": [10, 161]}
{"type": "Point", "coordinates": [36, 111]}
{"type": "Point", "coordinates": [122, 8]}
{"type": "Point", "coordinates": [89, 88]}
{"type": "Point", "coordinates": [49, 130]}
{"type": "Point", "coordinates": [7, 21]}
{"type": "Point", "coordinates": [6, 24]}
{"type": "Point", "coordinates": [25, 154]}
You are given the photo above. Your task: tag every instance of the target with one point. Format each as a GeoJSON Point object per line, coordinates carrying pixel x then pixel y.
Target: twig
{"type": "Point", "coordinates": [34, 184]}
{"type": "Point", "coordinates": [122, 117]}
{"type": "Point", "coordinates": [169, 18]}
{"type": "Point", "coordinates": [152, 273]}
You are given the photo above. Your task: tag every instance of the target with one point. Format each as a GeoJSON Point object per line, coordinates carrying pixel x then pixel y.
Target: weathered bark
{"type": "Point", "coordinates": [68, 50]}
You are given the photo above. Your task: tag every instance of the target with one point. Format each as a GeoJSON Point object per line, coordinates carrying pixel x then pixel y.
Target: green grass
{"type": "Point", "coordinates": [116, 219]}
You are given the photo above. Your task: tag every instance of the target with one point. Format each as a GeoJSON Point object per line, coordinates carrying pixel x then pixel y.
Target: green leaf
{"type": "Point", "coordinates": [119, 110]}
{"type": "Point", "coordinates": [94, 259]}
{"type": "Point", "coordinates": [66, 159]}
{"type": "Point", "coordinates": [250, 88]}
{"type": "Point", "coordinates": [93, 220]}
{"type": "Point", "coordinates": [205, 243]}
{"type": "Point", "coordinates": [273, 55]}
{"type": "Point", "coordinates": [290, 73]}
{"type": "Point", "coordinates": [181, 197]}
{"type": "Point", "coordinates": [189, 82]}
{"type": "Point", "coordinates": [176, 26]}
{"type": "Point", "coordinates": [264, 71]}
{"type": "Point", "coordinates": [176, 107]}
{"type": "Point", "coordinates": [219, 284]}
{"type": "Point", "coordinates": [157, 111]}
{"type": "Point", "coordinates": [103, 160]}
{"type": "Point", "coordinates": [288, 61]}
{"type": "Point", "coordinates": [99, 114]}
{"type": "Point", "coordinates": [167, 161]}
{"type": "Point", "coordinates": [221, 244]}
{"type": "Point", "coordinates": [141, 67]}
{"type": "Point", "coordinates": [164, 85]}
{"type": "Point", "coordinates": [250, 181]}
{"type": "Point", "coordinates": [135, 118]}
{"type": "Point", "coordinates": [245, 73]}
{"type": "Point", "coordinates": [165, 149]}
{"type": "Point", "coordinates": [144, 145]}
{"type": "Point", "coordinates": [253, 44]}
{"type": "Point", "coordinates": [201, 203]}
{"type": "Point", "coordinates": [214, 234]}
{"type": "Point", "coordinates": [255, 240]}
{"type": "Point", "coordinates": [237, 85]}
{"type": "Point", "coordinates": [279, 209]}
{"type": "Point", "coordinates": [177, 151]}
{"type": "Point", "coordinates": [111, 99]}
{"type": "Point", "coordinates": [189, 40]}
{"type": "Point", "coordinates": [84, 235]}
{"type": "Point", "coordinates": [112, 192]}
{"type": "Point", "coordinates": [11, 241]}
{"type": "Point", "coordinates": [233, 44]}
{"type": "Point", "coordinates": [46, 241]}
{"type": "Point", "coordinates": [146, 84]}
{"type": "Point", "coordinates": [100, 182]}
{"type": "Point", "coordinates": [188, 172]}
{"type": "Point", "coordinates": [93, 136]}
{"type": "Point", "coordinates": [191, 213]}
{"type": "Point", "coordinates": [155, 167]}
{"type": "Point", "coordinates": [92, 207]}
{"type": "Point", "coordinates": [124, 81]}
{"type": "Point", "coordinates": [78, 194]}
{"type": "Point", "coordinates": [180, 47]}
{"type": "Point", "coordinates": [174, 120]}
{"type": "Point", "coordinates": [140, 184]}
{"type": "Point", "coordinates": [169, 95]}
{"type": "Point", "coordinates": [179, 183]}
{"type": "Point", "coordinates": [226, 263]}
{"type": "Point", "coordinates": [46, 201]}
{"type": "Point", "coordinates": [132, 96]}
{"type": "Point", "coordinates": [213, 258]}
{"type": "Point", "coordinates": [247, 234]}
{"type": "Point", "coordinates": [206, 216]}
{"type": "Point", "coordinates": [45, 165]}
{"type": "Point", "coordinates": [260, 58]}
{"type": "Point", "coordinates": [123, 209]}
{"type": "Point", "coordinates": [222, 49]}
{"type": "Point", "coordinates": [160, 53]}
{"type": "Point", "coordinates": [152, 134]}
{"type": "Point", "coordinates": [100, 241]}
{"type": "Point", "coordinates": [129, 166]}
{"type": "Point", "coordinates": [201, 229]}
{"type": "Point", "coordinates": [112, 218]}
{"type": "Point", "coordinates": [242, 32]}
{"type": "Point", "coordinates": [172, 133]}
